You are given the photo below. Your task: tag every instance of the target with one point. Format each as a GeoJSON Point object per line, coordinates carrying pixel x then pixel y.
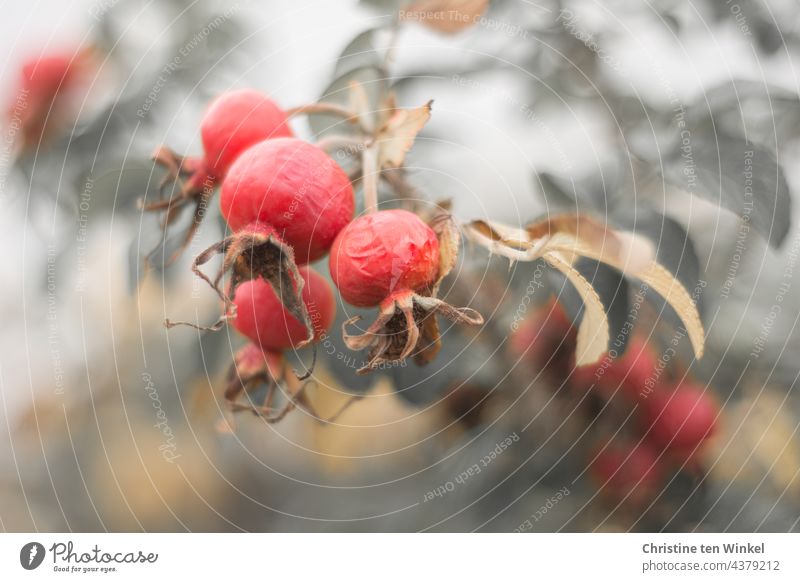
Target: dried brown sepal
{"type": "Point", "coordinates": [253, 368]}
{"type": "Point", "coordinates": [196, 187]}
{"type": "Point", "coordinates": [430, 341]}
{"type": "Point", "coordinates": [247, 255]}
{"type": "Point", "coordinates": [406, 325]}
{"type": "Point", "coordinates": [444, 225]}
{"type": "Point", "coordinates": [297, 394]}
{"type": "Point", "coordinates": [404, 328]}
{"type": "Point", "coordinates": [446, 229]}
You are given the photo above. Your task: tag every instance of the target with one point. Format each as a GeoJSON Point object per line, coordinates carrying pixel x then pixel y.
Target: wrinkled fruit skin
{"type": "Point", "coordinates": [630, 472]}
{"type": "Point", "coordinates": [382, 253]}
{"type": "Point", "coordinates": [261, 317]}
{"type": "Point", "coordinates": [681, 419]}
{"type": "Point", "coordinates": [293, 186]}
{"type": "Point", "coordinates": [234, 122]}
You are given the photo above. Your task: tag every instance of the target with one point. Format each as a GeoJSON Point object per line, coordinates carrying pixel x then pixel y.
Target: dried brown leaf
{"type": "Point", "coordinates": [570, 237]}
{"type": "Point", "coordinates": [446, 229]}
{"type": "Point", "coordinates": [397, 135]}
{"type": "Point", "coordinates": [593, 332]}
{"type": "Point", "coordinates": [586, 237]}
{"type": "Point", "coordinates": [447, 16]}
{"type": "Point", "coordinates": [666, 285]}
{"type": "Point", "coordinates": [507, 241]}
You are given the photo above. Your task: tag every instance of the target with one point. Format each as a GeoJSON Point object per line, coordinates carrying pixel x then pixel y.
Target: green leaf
{"type": "Point", "coordinates": [738, 175]}
{"type": "Point", "coordinates": [359, 53]}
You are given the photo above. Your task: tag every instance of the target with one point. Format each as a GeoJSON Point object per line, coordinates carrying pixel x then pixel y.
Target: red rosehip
{"type": "Point", "coordinates": [233, 122]}
{"type": "Point", "coordinates": [628, 473]}
{"type": "Point", "coordinates": [391, 258]}
{"type": "Point", "coordinates": [251, 359]}
{"type": "Point", "coordinates": [253, 368]}
{"type": "Point", "coordinates": [547, 339]}
{"type": "Point", "coordinates": [293, 187]}
{"type": "Point", "coordinates": [261, 317]}
{"type": "Point", "coordinates": [382, 253]}
{"type": "Point", "coordinates": [41, 101]}
{"type": "Point", "coordinates": [634, 374]}
{"type": "Point", "coordinates": [466, 403]}
{"type": "Point", "coordinates": [682, 419]}
{"type": "Point", "coordinates": [285, 200]}
{"type": "Point", "coordinates": [43, 76]}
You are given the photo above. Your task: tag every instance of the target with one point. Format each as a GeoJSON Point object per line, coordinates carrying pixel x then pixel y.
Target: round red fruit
{"type": "Point", "coordinates": [681, 419]}
{"type": "Point", "coordinates": [381, 253]}
{"type": "Point", "coordinates": [628, 472]}
{"type": "Point", "coordinates": [547, 339]}
{"type": "Point", "coordinates": [44, 76]}
{"type": "Point", "coordinates": [235, 121]}
{"type": "Point", "coordinates": [261, 317]}
{"type": "Point", "coordinates": [634, 374]}
{"type": "Point", "coordinates": [46, 96]}
{"type": "Point", "coordinates": [295, 188]}
{"type": "Point", "coordinates": [253, 359]}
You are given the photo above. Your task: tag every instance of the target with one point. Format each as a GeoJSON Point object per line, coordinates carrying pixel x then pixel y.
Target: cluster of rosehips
{"type": "Point", "coordinates": [672, 418]}
{"type": "Point", "coordinates": [288, 204]}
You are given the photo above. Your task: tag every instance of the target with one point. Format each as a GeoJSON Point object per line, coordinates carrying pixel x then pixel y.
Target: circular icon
{"type": "Point", "coordinates": [31, 555]}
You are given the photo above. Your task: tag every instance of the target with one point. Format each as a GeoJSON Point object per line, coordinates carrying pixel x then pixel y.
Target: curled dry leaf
{"type": "Point", "coordinates": [573, 235]}
{"type": "Point", "coordinates": [249, 255]}
{"type": "Point", "coordinates": [449, 237]}
{"type": "Point", "coordinates": [562, 240]}
{"type": "Point", "coordinates": [396, 136]}
{"type": "Point", "coordinates": [406, 326]}
{"type": "Point", "coordinates": [666, 285]}
{"type": "Point", "coordinates": [447, 16]}
{"type": "Point", "coordinates": [390, 131]}
{"type": "Point", "coordinates": [196, 188]}
{"type": "Point", "coordinates": [594, 332]}
{"type": "Point", "coordinates": [446, 229]}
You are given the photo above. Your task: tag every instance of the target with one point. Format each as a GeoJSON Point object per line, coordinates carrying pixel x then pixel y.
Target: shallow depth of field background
{"type": "Point", "coordinates": [84, 355]}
